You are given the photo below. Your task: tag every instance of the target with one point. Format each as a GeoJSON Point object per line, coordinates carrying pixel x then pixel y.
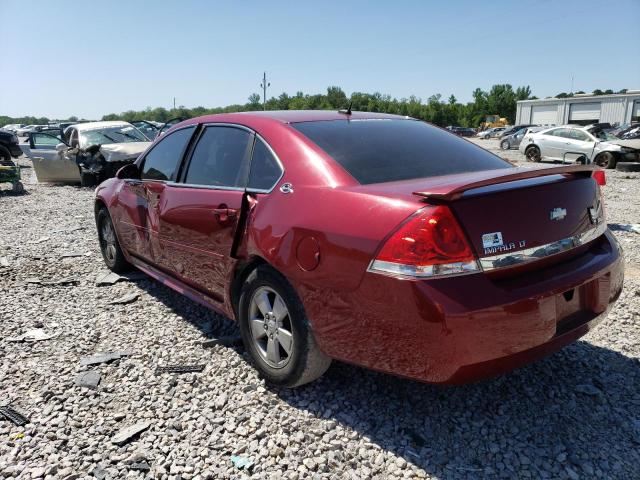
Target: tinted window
{"type": "Point", "coordinates": [579, 135]}
{"type": "Point", "coordinates": [265, 170]}
{"type": "Point", "coordinates": [375, 151]}
{"type": "Point", "coordinates": [219, 158]}
{"type": "Point", "coordinates": [161, 163]}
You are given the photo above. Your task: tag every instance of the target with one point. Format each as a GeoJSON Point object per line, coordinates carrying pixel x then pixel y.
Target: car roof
{"type": "Point", "coordinates": [295, 116]}
{"type": "Point", "coordinates": [83, 127]}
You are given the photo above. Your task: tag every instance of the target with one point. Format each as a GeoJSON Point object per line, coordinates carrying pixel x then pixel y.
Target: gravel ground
{"type": "Point", "coordinates": [573, 415]}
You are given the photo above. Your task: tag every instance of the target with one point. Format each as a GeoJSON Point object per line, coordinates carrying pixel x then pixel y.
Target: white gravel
{"type": "Point", "coordinates": [573, 415]}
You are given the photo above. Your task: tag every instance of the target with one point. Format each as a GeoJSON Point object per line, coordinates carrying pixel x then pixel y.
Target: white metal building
{"type": "Point", "coordinates": [581, 109]}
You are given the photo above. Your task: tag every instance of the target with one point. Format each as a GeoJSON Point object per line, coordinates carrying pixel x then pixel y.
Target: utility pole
{"type": "Point", "coordinates": [174, 103]}
{"type": "Point", "coordinates": [571, 84]}
{"type": "Point", "coordinates": [264, 86]}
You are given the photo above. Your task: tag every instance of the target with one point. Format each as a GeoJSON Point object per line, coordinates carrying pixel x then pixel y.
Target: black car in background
{"type": "Point", "coordinates": [9, 147]}
{"type": "Point", "coordinates": [462, 131]}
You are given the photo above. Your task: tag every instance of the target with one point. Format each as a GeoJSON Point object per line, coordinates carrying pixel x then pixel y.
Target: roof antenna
{"type": "Point", "coordinates": [348, 110]}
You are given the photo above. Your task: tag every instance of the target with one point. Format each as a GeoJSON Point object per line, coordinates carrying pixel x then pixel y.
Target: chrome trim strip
{"type": "Point", "coordinates": [208, 187]}
{"type": "Point", "coordinates": [401, 271]}
{"type": "Point", "coordinates": [527, 255]}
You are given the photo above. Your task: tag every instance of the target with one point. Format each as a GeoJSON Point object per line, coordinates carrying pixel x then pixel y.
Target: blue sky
{"type": "Point", "coordinates": [88, 59]}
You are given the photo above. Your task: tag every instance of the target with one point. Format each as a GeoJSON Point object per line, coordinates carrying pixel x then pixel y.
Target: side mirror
{"type": "Point", "coordinates": [128, 171]}
{"type": "Point", "coordinates": [61, 147]}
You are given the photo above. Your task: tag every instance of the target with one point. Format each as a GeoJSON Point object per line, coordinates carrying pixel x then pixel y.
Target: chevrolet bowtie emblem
{"type": "Point", "coordinates": [558, 213]}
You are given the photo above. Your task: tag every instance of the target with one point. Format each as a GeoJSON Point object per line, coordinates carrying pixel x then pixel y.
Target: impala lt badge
{"type": "Point", "coordinates": [558, 214]}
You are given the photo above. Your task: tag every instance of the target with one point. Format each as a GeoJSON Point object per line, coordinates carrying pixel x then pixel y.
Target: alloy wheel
{"type": "Point", "coordinates": [271, 327]}
{"type": "Point", "coordinates": [108, 237]}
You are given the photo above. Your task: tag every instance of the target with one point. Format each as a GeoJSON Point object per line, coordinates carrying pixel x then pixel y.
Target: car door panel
{"type": "Point", "coordinates": [132, 223]}
{"type": "Point", "coordinates": [199, 215]}
{"type": "Point", "coordinates": [140, 199]}
{"type": "Point", "coordinates": [197, 230]}
{"type": "Point", "coordinates": [49, 164]}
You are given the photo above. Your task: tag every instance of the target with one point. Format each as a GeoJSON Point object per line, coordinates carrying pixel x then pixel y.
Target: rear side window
{"type": "Point", "coordinates": [220, 158]}
{"type": "Point", "coordinates": [161, 163]}
{"type": "Point", "coordinates": [265, 170]}
{"type": "Point", "coordinates": [377, 151]}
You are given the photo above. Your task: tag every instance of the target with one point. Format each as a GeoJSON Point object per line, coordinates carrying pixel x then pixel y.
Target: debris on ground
{"type": "Point", "coordinates": [125, 299]}
{"type": "Point", "coordinates": [111, 278]}
{"type": "Point", "coordinates": [140, 466]}
{"type": "Point", "coordinates": [624, 227]}
{"type": "Point", "coordinates": [127, 433]}
{"type": "Point", "coordinates": [90, 379]}
{"type": "Point", "coordinates": [74, 255]}
{"type": "Point", "coordinates": [180, 369]}
{"type": "Point", "coordinates": [13, 416]}
{"type": "Point", "coordinates": [108, 278]}
{"type": "Point", "coordinates": [99, 358]}
{"type": "Point", "coordinates": [241, 462]}
{"type": "Point", "coordinates": [4, 262]}
{"type": "Point", "coordinates": [33, 335]}
{"type": "Point", "coordinates": [62, 281]}
{"type": "Point", "coordinates": [226, 341]}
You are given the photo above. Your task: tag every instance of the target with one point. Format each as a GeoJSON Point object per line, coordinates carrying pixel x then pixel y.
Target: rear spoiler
{"type": "Point", "coordinates": [453, 190]}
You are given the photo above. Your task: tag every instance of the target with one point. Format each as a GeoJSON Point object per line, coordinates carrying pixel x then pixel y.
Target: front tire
{"type": "Point", "coordinates": [533, 154]}
{"type": "Point", "coordinates": [109, 246]}
{"type": "Point", "coordinates": [504, 145]}
{"type": "Point", "coordinates": [276, 332]}
{"type": "Point", "coordinates": [606, 160]}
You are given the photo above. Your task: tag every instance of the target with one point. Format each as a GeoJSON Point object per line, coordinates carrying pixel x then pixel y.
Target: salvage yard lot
{"type": "Point", "coordinates": [575, 414]}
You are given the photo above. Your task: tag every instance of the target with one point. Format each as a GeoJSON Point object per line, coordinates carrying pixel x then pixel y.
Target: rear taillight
{"type": "Point", "coordinates": [430, 244]}
{"type": "Point", "coordinates": [599, 177]}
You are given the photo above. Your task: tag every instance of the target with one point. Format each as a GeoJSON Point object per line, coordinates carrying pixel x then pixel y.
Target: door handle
{"type": "Point", "coordinates": [224, 214]}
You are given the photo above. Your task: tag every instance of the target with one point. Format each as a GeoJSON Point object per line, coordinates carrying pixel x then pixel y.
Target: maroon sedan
{"type": "Point", "coordinates": [372, 239]}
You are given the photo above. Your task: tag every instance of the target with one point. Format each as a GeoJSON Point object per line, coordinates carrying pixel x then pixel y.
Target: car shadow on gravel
{"type": "Point", "coordinates": [576, 412]}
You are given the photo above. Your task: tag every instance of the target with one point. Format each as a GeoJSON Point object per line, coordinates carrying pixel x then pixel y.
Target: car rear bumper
{"type": "Point", "coordinates": [463, 329]}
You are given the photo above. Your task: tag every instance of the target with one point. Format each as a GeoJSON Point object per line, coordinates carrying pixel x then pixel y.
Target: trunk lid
{"type": "Point", "coordinates": [518, 213]}
{"type": "Point", "coordinates": [515, 215]}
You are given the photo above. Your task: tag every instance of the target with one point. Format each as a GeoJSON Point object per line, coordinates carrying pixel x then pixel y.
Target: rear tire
{"type": "Point", "coordinates": [606, 160]}
{"type": "Point", "coordinates": [628, 167]}
{"type": "Point", "coordinates": [504, 145]}
{"type": "Point", "coordinates": [272, 320]}
{"type": "Point", "coordinates": [533, 154]}
{"type": "Point", "coordinates": [109, 246]}
{"type": "Point", "coordinates": [18, 188]}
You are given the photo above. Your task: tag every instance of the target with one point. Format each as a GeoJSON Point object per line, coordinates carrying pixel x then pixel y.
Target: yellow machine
{"type": "Point", "coordinates": [492, 121]}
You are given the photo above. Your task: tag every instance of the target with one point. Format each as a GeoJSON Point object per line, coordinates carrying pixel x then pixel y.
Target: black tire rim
{"type": "Point", "coordinates": [533, 155]}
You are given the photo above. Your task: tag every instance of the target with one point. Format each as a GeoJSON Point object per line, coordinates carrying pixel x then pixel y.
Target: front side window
{"type": "Point", "coordinates": [580, 135]}
{"type": "Point", "coordinates": [265, 170]}
{"type": "Point", "coordinates": [220, 158]}
{"type": "Point", "coordinates": [376, 151]}
{"type": "Point", "coordinates": [161, 163]}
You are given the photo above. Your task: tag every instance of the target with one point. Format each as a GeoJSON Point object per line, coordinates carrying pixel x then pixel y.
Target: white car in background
{"type": "Point", "coordinates": [87, 153]}
{"type": "Point", "coordinates": [571, 143]}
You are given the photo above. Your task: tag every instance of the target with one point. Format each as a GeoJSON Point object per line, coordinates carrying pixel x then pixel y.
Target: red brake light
{"type": "Point", "coordinates": [431, 243]}
{"type": "Point", "coordinates": [599, 177]}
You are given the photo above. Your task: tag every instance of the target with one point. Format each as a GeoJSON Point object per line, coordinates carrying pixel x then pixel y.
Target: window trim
{"type": "Point", "coordinates": [278, 162]}
{"type": "Point", "coordinates": [186, 161]}
{"type": "Point", "coordinates": [180, 160]}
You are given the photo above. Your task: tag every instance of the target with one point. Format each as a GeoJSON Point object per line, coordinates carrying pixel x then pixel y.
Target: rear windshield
{"type": "Point", "coordinates": [377, 151]}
